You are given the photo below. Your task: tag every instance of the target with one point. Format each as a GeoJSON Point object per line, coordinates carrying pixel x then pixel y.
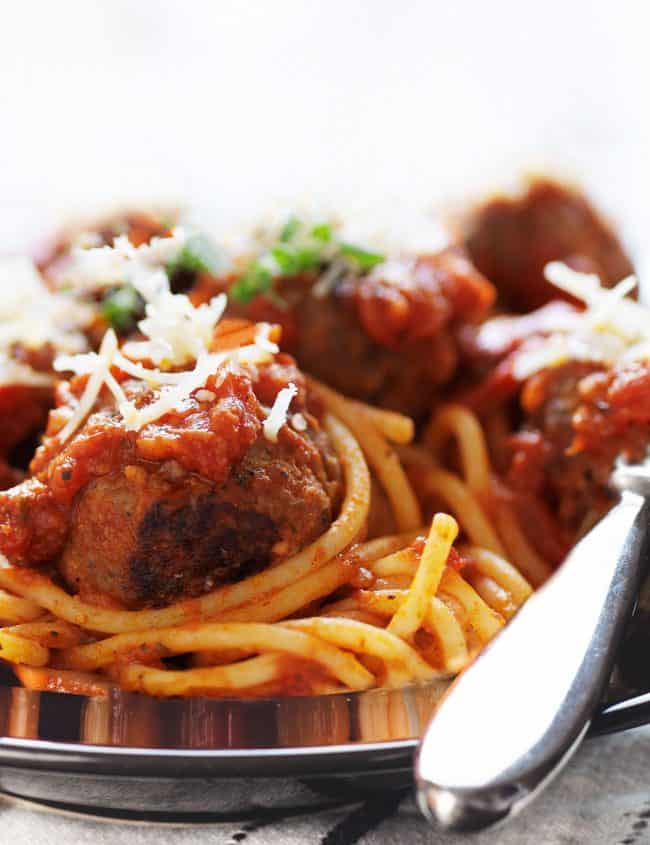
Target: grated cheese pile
{"type": "Point", "coordinates": [91, 269]}
{"type": "Point", "coordinates": [178, 334]}
{"type": "Point", "coordinates": [612, 328]}
{"type": "Point", "coordinates": [33, 316]}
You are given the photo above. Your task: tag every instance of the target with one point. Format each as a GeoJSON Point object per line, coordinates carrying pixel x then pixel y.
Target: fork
{"type": "Point", "coordinates": [516, 715]}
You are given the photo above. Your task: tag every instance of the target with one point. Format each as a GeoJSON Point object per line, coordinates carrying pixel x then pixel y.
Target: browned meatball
{"type": "Point", "coordinates": [23, 413]}
{"type": "Point", "coordinates": [578, 418]}
{"type": "Point", "coordinates": [388, 337]}
{"type": "Point", "coordinates": [511, 239]}
{"type": "Point", "coordinates": [198, 498]}
{"type": "Point", "coordinates": [135, 535]}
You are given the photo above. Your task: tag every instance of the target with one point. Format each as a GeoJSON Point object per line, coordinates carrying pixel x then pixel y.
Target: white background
{"type": "Point", "coordinates": [232, 106]}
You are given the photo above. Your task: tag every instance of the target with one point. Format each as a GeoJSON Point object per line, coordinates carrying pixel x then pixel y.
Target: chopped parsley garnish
{"type": "Point", "coordinates": [198, 255]}
{"type": "Point", "coordinates": [289, 230]}
{"type": "Point", "coordinates": [292, 260]}
{"type": "Point", "coordinates": [256, 279]}
{"type": "Point", "coordinates": [322, 232]}
{"type": "Point", "coordinates": [300, 249]}
{"type": "Point", "coordinates": [122, 307]}
{"type": "Point", "coordinates": [364, 259]}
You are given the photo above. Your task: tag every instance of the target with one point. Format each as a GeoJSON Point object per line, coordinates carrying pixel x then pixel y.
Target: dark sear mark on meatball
{"type": "Point", "coordinates": [142, 539]}
{"type": "Point", "coordinates": [154, 542]}
{"type": "Point", "coordinates": [230, 544]}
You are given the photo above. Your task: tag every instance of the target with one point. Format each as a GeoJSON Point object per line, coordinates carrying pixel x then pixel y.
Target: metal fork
{"type": "Point", "coordinates": [516, 715]}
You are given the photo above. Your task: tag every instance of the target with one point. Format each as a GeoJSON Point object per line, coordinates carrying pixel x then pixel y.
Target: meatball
{"type": "Point", "coordinates": [512, 239]}
{"type": "Point", "coordinates": [23, 410]}
{"type": "Point", "coordinates": [388, 337]}
{"type": "Point", "coordinates": [23, 413]}
{"type": "Point", "coordinates": [199, 498]}
{"type": "Point", "coordinates": [579, 417]}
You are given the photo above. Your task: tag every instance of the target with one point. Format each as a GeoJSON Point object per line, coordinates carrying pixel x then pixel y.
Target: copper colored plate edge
{"type": "Point", "coordinates": [359, 754]}
{"type": "Point", "coordinates": [43, 724]}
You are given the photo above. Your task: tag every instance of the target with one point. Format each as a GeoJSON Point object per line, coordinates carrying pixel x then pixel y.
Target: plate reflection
{"type": "Point", "coordinates": [127, 720]}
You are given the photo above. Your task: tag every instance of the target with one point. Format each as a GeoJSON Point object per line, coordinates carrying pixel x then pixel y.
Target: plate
{"type": "Point", "coordinates": [132, 754]}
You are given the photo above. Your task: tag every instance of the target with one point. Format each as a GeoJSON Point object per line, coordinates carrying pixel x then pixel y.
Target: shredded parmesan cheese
{"type": "Point", "coordinates": [105, 266]}
{"type": "Point", "coordinates": [612, 327]}
{"type": "Point", "coordinates": [171, 397]}
{"type": "Point", "coordinates": [205, 395]}
{"type": "Point", "coordinates": [87, 240]}
{"type": "Point", "coordinates": [328, 280]}
{"type": "Point", "coordinates": [398, 272]}
{"type": "Point", "coordinates": [32, 316]}
{"type": "Point", "coordinates": [98, 366]}
{"type": "Point", "coordinates": [298, 422]}
{"type": "Point", "coordinates": [178, 332]}
{"type": "Point", "coordinates": [608, 310]}
{"type": "Point", "coordinates": [15, 372]}
{"type": "Point", "coordinates": [278, 414]}
{"type": "Point", "coordinates": [175, 388]}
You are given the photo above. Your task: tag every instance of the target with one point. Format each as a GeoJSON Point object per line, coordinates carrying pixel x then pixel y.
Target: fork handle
{"type": "Point", "coordinates": [515, 715]}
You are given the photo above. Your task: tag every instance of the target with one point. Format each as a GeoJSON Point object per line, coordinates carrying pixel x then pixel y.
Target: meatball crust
{"type": "Point", "coordinates": [196, 499]}
{"type": "Point", "coordinates": [512, 239]}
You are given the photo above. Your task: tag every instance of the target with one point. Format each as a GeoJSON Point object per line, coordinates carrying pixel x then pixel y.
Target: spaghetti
{"type": "Point", "coordinates": [202, 519]}
{"type": "Point", "coordinates": [305, 624]}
